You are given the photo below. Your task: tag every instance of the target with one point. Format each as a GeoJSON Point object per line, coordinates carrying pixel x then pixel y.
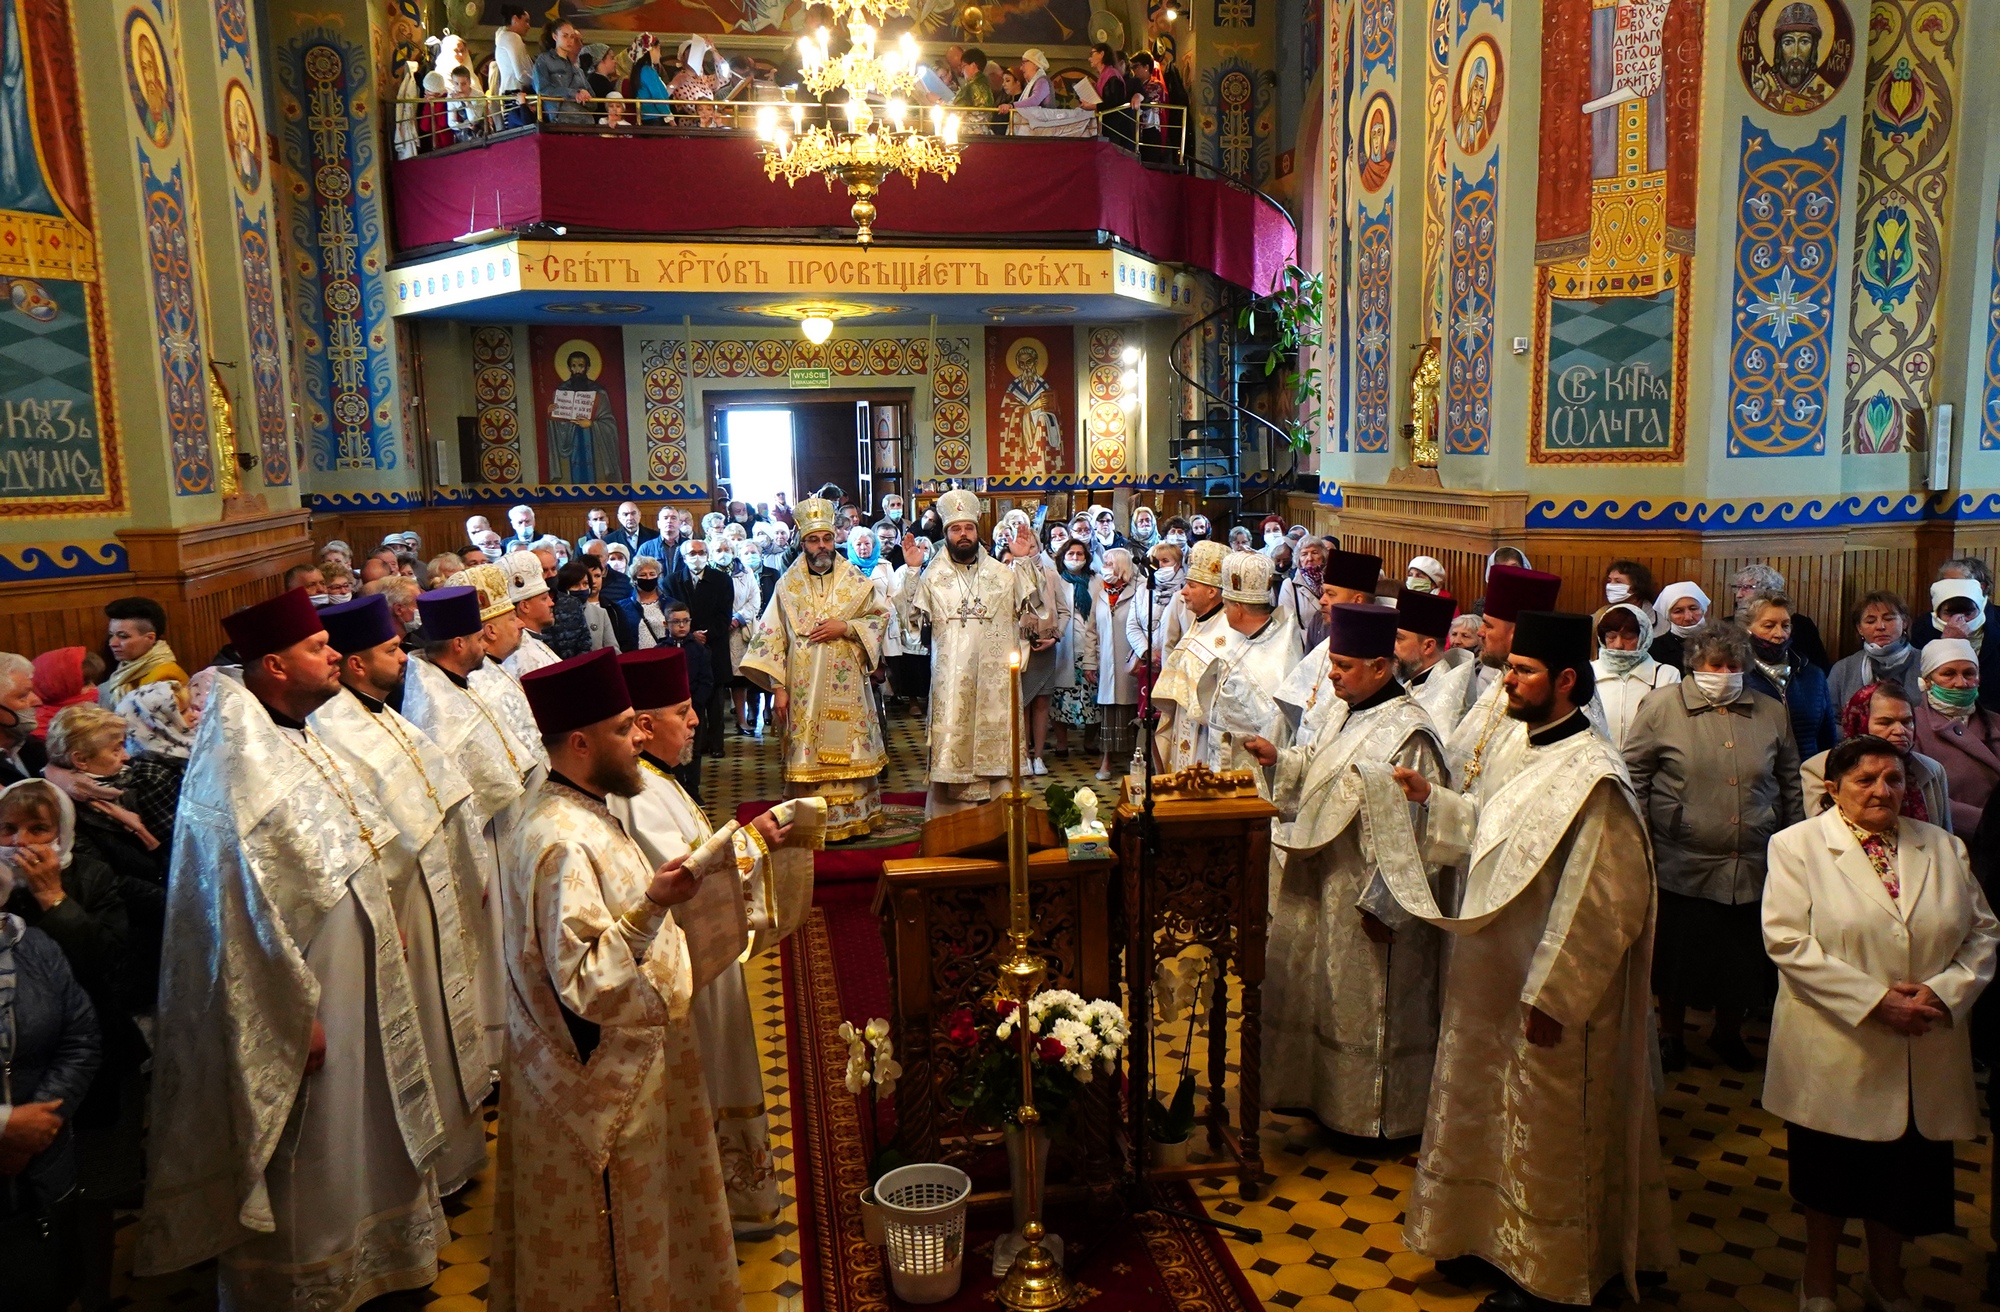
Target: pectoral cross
{"type": "Point", "coordinates": [970, 609]}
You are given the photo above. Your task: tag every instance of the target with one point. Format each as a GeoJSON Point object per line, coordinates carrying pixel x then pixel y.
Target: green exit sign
{"type": "Point", "coordinates": [812, 378]}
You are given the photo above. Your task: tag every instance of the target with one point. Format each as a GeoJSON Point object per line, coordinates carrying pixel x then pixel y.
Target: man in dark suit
{"type": "Point", "coordinates": [21, 756]}
{"type": "Point", "coordinates": [630, 530]}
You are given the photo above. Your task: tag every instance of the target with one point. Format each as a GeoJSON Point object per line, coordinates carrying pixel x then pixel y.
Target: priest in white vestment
{"type": "Point", "coordinates": [1437, 675]}
{"type": "Point", "coordinates": [450, 694]}
{"type": "Point", "coordinates": [977, 608]}
{"type": "Point", "coordinates": [1487, 744]}
{"type": "Point", "coordinates": [728, 919]}
{"type": "Point", "coordinates": [1541, 1152]}
{"type": "Point", "coordinates": [818, 642]}
{"type": "Point", "coordinates": [1236, 697]}
{"type": "Point", "coordinates": [1351, 978]}
{"type": "Point", "coordinates": [293, 1122]}
{"type": "Point", "coordinates": [438, 868]}
{"type": "Point", "coordinates": [1188, 659]}
{"type": "Point", "coordinates": [534, 610]}
{"type": "Point", "coordinates": [610, 1191]}
{"type": "Point", "coordinates": [1306, 693]}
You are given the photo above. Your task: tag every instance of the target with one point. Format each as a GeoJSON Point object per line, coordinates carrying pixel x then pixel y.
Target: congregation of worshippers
{"type": "Point", "coordinates": [429, 835]}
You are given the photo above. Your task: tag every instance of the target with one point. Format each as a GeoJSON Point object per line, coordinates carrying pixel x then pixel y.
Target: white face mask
{"type": "Point", "coordinates": [1272, 537]}
{"type": "Point", "coordinates": [1973, 623]}
{"type": "Point", "coordinates": [1617, 592]}
{"type": "Point", "coordinates": [1419, 583]}
{"type": "Point", "coordinates": [1178, 538]}
{"type": "Point", "coordinates": [1719, 687]}
{"type": "Point", "coordinates": [697, 562]}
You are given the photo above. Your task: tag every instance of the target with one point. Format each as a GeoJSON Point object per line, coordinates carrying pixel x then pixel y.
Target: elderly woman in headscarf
{"type": "Point", "coordinates": [159, 734]}
{"type": "Point", "coordinates": [865, 554]}
{"type": "Point", "coordinates": [1299, 595]}
{"type": "Point", "coordinates": [49, 1031]}
{"type": "Point", "coordinates": [1117, 687]}
{"type": "Point", "coordinates": [1625, 668]}
{"type": "Point", "coordinates": [1953, 727]}
{"type": "Point", "coordinates": [1426, 574]}
{"type": "Point", "coordinates": [1678, 611]}
{"type": "Point", "coordinates": [1048, 669]}
{"type": "Point", "coordinates": [1144, 529]}
{"type": "Point", "coordinates": [1073, 705]}
{"type": "Point", "coordinates": [1887, 711]}
{"type": "Point", "coordinates": [65, 677]}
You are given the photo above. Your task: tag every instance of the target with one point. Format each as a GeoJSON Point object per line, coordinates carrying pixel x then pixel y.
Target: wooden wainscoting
{"type": "Point", "coordinates": [1827, 570]}
{"type": "Point", "coordinates": [199, 574]}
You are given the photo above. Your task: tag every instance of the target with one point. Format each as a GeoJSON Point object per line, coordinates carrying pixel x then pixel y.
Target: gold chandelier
{"type": "Point", "coordinates": [877, 140]}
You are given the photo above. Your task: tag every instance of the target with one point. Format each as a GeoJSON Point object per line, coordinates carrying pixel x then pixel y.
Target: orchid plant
{"type": "Point", "coordinates": [871, 1061]}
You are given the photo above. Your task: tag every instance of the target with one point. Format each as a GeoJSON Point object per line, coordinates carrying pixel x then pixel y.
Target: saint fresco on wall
{"type": "Point", "coordinates": [146, 75]}
{"type": "Point", "coordinates": [1620, 129]}
{"type": "Point", "coordinates": [1378, 141]}
{"type": "Point", "coordinates": [1795, 54]}
{"type": "Point", "coordinates": [580, 403]}
{"type": "Point", "coordinates": [1030, 401]}
{"type": "Point", "coordinates": [1475, 97]}
{"type": "Point", "coordinates": [56, 448]}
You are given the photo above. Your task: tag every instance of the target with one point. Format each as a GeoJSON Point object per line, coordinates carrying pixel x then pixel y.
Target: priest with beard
{"type": "Point", "coordinates": [1206, 637]}
{"type": "Point", "coordinates": [1540, 1170]}
{"type": "Point", "coordinates": [438, 867]}
{"type": "Point", "coordinates": [293, 1121]}
{"type": "Point", "coordinates": [1307, 693]}
{"type": "Point", "coordinates": [979, 610]}
{"type": "Point", "coordinates": [819, 640]}
{"type": "Point", "coordinates": [1486, 744]}
{"type": "Point", "coordinates": [1351, 991]}
{"type": "Point", "coordinates": [472, 726]}
{"type": "Point", "coordinates": [610, 1192]}
{"type": "Point", "coordinates": [726, 920]}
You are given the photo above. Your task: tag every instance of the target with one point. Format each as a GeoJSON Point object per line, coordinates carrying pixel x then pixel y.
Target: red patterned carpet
{"type": "Point", "coordinates": [1149, 1263]}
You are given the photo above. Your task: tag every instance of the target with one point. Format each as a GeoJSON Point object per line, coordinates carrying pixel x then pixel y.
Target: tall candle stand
{"type": "Point", "coordinates": [1034, 1281]}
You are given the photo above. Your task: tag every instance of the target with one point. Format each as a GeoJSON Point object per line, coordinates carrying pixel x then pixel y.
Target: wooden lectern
{"type": "Point", "coordinates": [944, 921]}
{"type": "Point", "coordinates": [1209, 887]}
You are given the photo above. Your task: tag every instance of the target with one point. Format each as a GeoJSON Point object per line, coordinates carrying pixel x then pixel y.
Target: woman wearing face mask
{"type": "Point", "coordinates": [743, 615]}
{"type": "Point", "coordinates": [1048, 669]}
{"type": "Point", "coordinates": [1270, 533]}
{"type": "Point", "coordinates": [1145, 530]}
{"type": "Point", "coordinates": [1886, 711]}
{"type": "Point", "coordinates": [1882, 622]}
{"type": "Point", "coordinates": [1628, 580]}
{"type": "Point", "coordinates": [645, 610]}
{"type": "Point", "coordinates": [1715, 772]}
{"type": "Point", "coordinates": [1960, 609]}
{"type": "Point", "coordinates": [1075, 706]}
{"type": "Point", "coordinates": [1057, 535]}
{"type": "Point", "coordinates": [1426, 574]}
{"type": "Point", "coordinates": [1200, 529]}
{"type": "Point", "coordinates": [1626, 670]}
{"type": "Point", "coordinates": [1677, 612]}
{"type": "Point", "coordinates": [50, 1042]}
{"type": "Point", "coordinates": [1778, 671]}
{"type": "Point", "coordinates": [1176, 532]}
{"type": "Point", "coordinates": [1299, 595]}
{"type": "Point", "coordinates": [907, 650]}
{"type": "Point", "coordinates": [1953, 727]}
{"type": "Point", "coordinates": [1117, 687]}
{"type": "Point", "coordinates": [1154, 626]}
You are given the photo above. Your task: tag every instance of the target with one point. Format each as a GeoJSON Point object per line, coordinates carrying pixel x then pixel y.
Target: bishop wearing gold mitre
{"type": "Point", "coordinates": [818, 641]}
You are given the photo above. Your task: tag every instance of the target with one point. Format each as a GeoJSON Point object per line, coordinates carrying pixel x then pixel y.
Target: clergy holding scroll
{"type": "Point", "coordinates": [769, 898]}
{"type": "Point", "coordinates": [438, 867]}
{"type": "Point", "coordinates": [817, 644]}
{"type": "Point", "coordinates": [610, 1191]}
{"type": "Point", "coordinates": [1541, 1154]}
{"type": "Point", "coordinates": [1351, 978]}
{"type": "Point", "coordinates": [294, 1125]}
{"type": "Point", "coordinates": [980, 612]}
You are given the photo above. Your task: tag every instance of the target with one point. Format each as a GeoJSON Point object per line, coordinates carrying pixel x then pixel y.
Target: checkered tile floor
{"type": "Point", "coordinates": [1332, 1217]}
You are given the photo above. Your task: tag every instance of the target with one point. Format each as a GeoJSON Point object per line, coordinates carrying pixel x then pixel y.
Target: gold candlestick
{"type": "Point", "coordinates": [1034, 1282]}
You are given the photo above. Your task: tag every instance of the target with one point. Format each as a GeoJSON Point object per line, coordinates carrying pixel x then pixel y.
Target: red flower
{"type": "Point", "coordinates": [1008, 1007]}
{"type": "Point", "coordinates": [960, 1027]}
{"type": "Point", "coordinates": [1051, 1050]}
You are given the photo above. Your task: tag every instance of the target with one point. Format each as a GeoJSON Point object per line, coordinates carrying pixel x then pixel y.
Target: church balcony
{"type": "Point", "coordinates": [630, 182]}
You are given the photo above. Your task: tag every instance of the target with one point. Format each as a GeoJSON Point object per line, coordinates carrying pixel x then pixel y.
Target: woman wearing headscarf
{"type": "Point", "coordinates": [1426, 574]}
{"type": "Point", "coordinates": [63, 678]}
{"type": "Point", "coordinates": [1117, 688]}
{"type": "Point", "coordinates": [907, 650]}
{"type": "Point", "coordinates": [1299, 594]}
{"type": "Point", "coordinates": [1200, 529]}
{"type": "Point", "coordinates": [1953, 727]}
{"type": "Point", "coordinates": [1144, 530]}
{"type": "Point", "coordinates": [1075, 705]}
{"type": "Point", "coordinates": [159, 734]}
{"type": "Point", "coordinates": [50, 1045]}
{"type": "Point", "coordinates": [1104, 536]}
{"type": "Point", "coordinates": [745, 560]}
{"type": "Point", "coordinates": [1047, 671]}
{"type": "Point", "coordinates": [1677, 612]}
{"type": "Point", "coordinates": [1626, 670]}
{"type": "Point", "coordinates": [1887, 712]}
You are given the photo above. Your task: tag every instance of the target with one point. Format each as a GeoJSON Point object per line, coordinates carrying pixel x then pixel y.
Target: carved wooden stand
{"type": "Point", "coordinates": [1209, 888]}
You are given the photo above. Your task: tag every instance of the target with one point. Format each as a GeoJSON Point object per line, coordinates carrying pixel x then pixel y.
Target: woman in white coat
{"type": "Point", "coordinates": [1117, 678]}
{"type": "Point", "coordinates": [1883, 941]}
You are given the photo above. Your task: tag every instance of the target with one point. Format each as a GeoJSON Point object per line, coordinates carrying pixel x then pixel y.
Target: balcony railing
{"type": "Point", "coordinates": [1156, 134]}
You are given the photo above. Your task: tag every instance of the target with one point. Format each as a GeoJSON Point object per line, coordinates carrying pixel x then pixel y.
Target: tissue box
{"type": "Point", "coordinates": [1088, 843]}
